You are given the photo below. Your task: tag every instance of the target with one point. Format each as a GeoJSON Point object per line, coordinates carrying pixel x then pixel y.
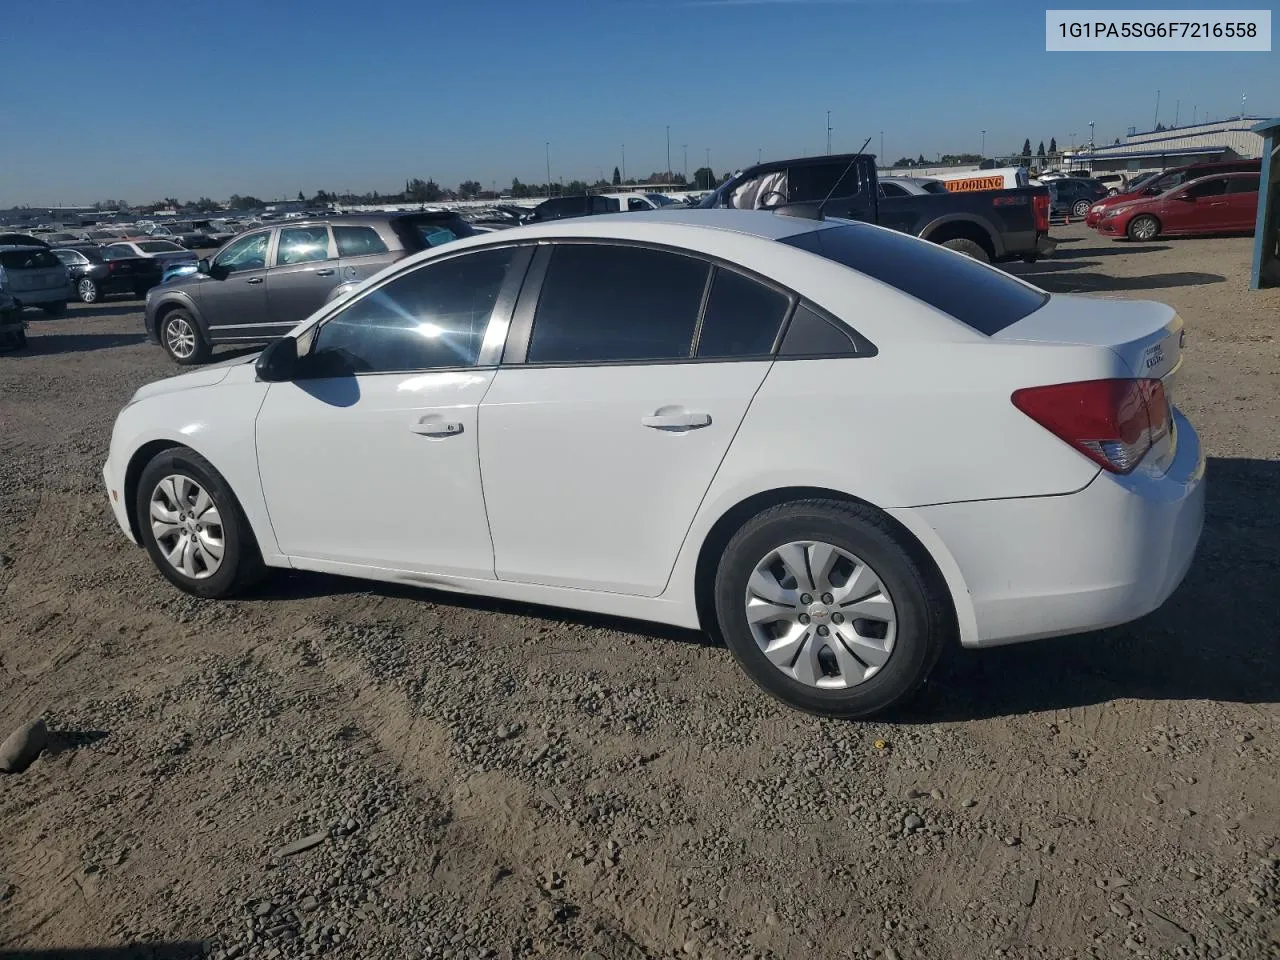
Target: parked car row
{"type": "Point", "coordinates": [1201, 198]}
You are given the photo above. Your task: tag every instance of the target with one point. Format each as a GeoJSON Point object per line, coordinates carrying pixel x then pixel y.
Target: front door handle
{"type": "Point", "coordinates": [435, 427]}
{"type": "Point", "coordinates": [677, 421]}
{"type": "Point", "coordinates": [326, 272]}
{"type": "Point", "coordinates": [254, 280]}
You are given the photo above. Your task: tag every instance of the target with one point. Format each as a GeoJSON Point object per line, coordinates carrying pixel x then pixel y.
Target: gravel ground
{"type": "Point", "coordinates": [335, 768]}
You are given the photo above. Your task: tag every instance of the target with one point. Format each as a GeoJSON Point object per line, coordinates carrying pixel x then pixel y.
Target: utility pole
{"type": "Point", "coordinates": [548, 168]}
{"type": "Point", "coordinates": [1243, 98]}
{"type": "Point", "coordinates": [624, 163]}
{"type": "Point", "coordinates": [685, 147]}
{"type": "Point", "coordinates": [668, 152]}
{"type": "Point", "coordinates": [983, 154]}
{"type": "Point", "coordinates": [1156, 121]}
{"type": "Point", "coordinates": [882, 146]}
{"type": "Point", "coordinates": [759, 151]}
{"type": "Point", "coordinates": [1194, 108]}
{"type": "Point", "coordinates": [828, 131]}
{"type": "Point", "coordinates": [1091, 135]}
{"type": "Point", "coordinates": [708, 158]}
{"type": "Point", "coordinates": [1177, 106]}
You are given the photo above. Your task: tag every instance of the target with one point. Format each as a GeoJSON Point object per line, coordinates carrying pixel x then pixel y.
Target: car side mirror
{"type": "Point", "coordinates": [279, 362]}
{"type": "Point", "coordinates": [202, 266]}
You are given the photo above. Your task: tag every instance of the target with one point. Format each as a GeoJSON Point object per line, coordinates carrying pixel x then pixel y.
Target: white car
{"type": "Point", "coordinates": [147, 248]}
{"type": "Point", "coordinates": [840, 447]}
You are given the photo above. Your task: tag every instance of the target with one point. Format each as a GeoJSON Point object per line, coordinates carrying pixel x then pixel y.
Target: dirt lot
{"type": "Point", "coordinates": [494, 781]}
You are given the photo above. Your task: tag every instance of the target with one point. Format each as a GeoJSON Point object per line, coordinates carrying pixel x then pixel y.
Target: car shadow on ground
{"type": "Point", "coordinates": [51, 343]}
{"type": "Point", "coordinates": [176, 950]}
{"type": "Point", "coordinates": [1205, 643]}
{"type": "Point", "coordinates": [1085, 282]}
{"type": "Point", "coordinates": [1106, 249]}
{"type": "Point", "coordinates": [96, 311]}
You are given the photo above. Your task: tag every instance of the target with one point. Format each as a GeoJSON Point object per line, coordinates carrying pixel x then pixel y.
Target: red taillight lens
{"type": "Point", "coordinates": [1040, 207]}
{"type": "Point", "coordinates": [1112, 422]}
{"type": "Point", "coordinates": [111, 267]}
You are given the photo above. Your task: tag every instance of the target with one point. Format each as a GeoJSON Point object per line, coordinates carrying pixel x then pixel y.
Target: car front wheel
{"type": "Point", "coordinates": [1080, 208]}
{"type": "Point", "coordinates": [827, 606]}
{"type": "Point", "coordinates": [182, 339]}
{"type": "Point", "coordinates": [1143, 228]}
{"type": "Point", "coordinates": [87, 290]}
{"type": "Point", "coordinates": [193, 527]}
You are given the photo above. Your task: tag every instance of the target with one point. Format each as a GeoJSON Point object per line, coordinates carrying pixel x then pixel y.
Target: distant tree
{"type": "Point", "coordinates": [617, 177]}
{"type": "Point", "coordinates": [519, 190]}
{"type": "Point", "coordinates": [920, 161]}
{"type": "Point", "coordinates": [1040, 150]}
{"type": "Point", "coordinates": [1160, 128]}
{"type": "Point", "coordinates": [1053, 145]}
{"type": "Point", "coordinates": [1026, 147]}
{"type": "Point", "coordinates": [302, 197]}
{"type": "Point", "coordinates": [238, 202]}
{"type": "Point", "coordinates": [469, 188]}
{"type": "Point", "coordinates": [1117, 143]}
{"type": "Point", "coordinates": [904, 162]}
{"type": "Point", "coordinates": [704, 178]}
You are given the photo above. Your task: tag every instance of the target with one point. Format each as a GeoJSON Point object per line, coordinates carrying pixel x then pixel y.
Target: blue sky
{"type": "Point", "coordinates": [140, 99]}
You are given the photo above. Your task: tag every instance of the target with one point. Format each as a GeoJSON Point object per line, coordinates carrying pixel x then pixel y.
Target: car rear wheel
{"type": "Point", "coordinates": [1080, 208]}
{"type": "Point", "coordinates": [827, 607]}
{"type": "Point", "coordinates": [1144, 227]}
{"type": "Point", "coordinates": [970, 248]}
{"type": "Point", "coordinates": [182, 339]}
{"type": "Point", "coordinates": [193, 527]}
{"type": "Point", "coordinates": [87, 290]}
{"type": "Point", "coordinates": [54, 309]}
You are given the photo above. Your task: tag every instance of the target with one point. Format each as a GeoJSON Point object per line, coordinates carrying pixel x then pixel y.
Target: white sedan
{"type": "Point", "coordinates": [839, 447]}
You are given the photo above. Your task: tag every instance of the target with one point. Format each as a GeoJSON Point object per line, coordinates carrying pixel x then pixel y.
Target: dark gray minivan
{"type": "Point", "coordinates": [262, 283]}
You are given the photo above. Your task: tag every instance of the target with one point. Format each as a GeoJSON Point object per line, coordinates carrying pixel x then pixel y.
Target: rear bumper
{"type": "Point", "coordinates": [36, 298]}
{"type": "Point", "coordinates": [1105, 555]}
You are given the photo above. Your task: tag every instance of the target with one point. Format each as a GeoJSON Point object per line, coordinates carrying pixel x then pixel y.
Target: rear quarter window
{"type": "Point", "coordinates": [978, 296]}
{"type": "Point", "coordinates": [424, 232]}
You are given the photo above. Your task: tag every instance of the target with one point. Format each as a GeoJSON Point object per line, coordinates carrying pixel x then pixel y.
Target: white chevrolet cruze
{"type": "Point", "coordinates": [841, 447]}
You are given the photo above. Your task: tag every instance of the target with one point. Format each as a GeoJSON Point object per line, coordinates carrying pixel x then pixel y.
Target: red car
{"type": "Point", "coordinates": [1219, 204]}
{"type": "Point", "coordinates": [1154, 185]}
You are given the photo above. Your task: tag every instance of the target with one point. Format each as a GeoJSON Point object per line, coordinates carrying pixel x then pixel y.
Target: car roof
{"type": "Point", "coordinates": [757, 223]}
{"type": "Point", "coordinates": [24, 246]}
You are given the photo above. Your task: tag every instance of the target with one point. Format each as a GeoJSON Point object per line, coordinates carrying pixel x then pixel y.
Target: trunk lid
{"type": "Point", "coordinates": [1146, 335]}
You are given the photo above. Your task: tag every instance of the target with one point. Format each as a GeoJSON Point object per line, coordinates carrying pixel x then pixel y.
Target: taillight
{"type": "Point", "coordinates": [111, 266]}
{"type": "Point", "coordinates": [1040, 207]}
{"type": "Point", "coordinates": [1112, 422]}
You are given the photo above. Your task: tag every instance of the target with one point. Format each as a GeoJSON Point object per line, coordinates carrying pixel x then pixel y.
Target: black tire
{"type": "Point", "coordinates": [1137, 226]}
{"type": "Point", "coordinates": [241, 564]}
{"type": "Point", "coordinates": [970, 248]}
{"type": "Point", "coordinates": [54, 309]}
{"type": "Point", "coordinates": [87, 290]}
{"type": "Point", "coordinates": [199, 352]}
{"type": "Point", "coordinates": [1080, 208]}
{"type": "Point", "coordinates": [924, 616]}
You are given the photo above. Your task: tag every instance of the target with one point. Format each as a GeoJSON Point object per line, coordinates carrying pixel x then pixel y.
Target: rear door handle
{"type": "Point", "coordinates": [254, 280]}
{"type": "Point", "coordinates": [676, 421]}
{"type": "Point", "coordinates": [435, 427]}
{"type": "Point", "coordinates": [326, 272]}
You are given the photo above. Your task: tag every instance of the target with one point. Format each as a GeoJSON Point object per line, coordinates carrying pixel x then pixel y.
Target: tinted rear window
{"type": "Point", "coordinates": [422, 232]}
{"type": "Point", "coordinates": [978, 296]}
{"type": "Point", "coordinates": [28, 260]}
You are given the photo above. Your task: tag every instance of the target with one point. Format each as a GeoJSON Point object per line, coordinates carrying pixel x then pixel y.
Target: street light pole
{"type": "Point", "coordinates": [1090, 135]}
{"type": "Point", "coordinates": [548, 168]}
{"type": "Point", "coordinates": [828, 131]}
{"type": "Point", "coordinates": [668, 152]}
{"type": "Point", "coordinates": [984, 145]}
{"type": "Point", "coordinates": [624, 163]}
{"type": "Point", "coordinates": [882, 146]}
{"type": "Point", "coordinates": [685, 148]}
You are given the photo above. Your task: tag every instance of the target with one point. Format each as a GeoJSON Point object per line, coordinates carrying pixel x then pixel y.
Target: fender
{"type": "Point", "coordinates": [977, 220]}
{"type": "Point", "coordinates": [157, 304]}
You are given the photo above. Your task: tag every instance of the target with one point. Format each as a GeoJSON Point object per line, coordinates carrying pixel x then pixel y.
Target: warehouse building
{"type": "Point", "coordinates": [1157, 150]}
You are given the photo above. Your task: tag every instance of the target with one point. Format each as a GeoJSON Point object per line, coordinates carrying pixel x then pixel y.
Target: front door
{"type": "Point", "coordinates": [1201, 206]}
{"type": "Point", "coordinates": [370, 458]}
{"type": "Point", "coordinates": [599, 442]}
{"type": "Point", "coordinates": [233, 297]}
{"type": "Point", "coordinates": [1242, 201]}
{"type": "Point", "coordinates": [305, 270]}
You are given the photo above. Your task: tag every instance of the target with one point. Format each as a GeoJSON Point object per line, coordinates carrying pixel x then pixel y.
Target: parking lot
{"type": "Point", "coordinates": [479, 779]}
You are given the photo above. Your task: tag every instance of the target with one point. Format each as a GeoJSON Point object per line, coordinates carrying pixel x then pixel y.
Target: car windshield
{"type": "Point", "coordinates": [981, 297]}
{"type": "Point", "coordinates": [934, 186]}
{"type": "Point", "coordinates": [159, 246]}
{"type": "Point", "coordinates": [659, 200]}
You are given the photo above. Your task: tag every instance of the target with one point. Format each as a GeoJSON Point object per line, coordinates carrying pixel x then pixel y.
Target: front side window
{"type": "Point", "coordinates": [635, 203]}
{"type": "Point", "coordinates": [602, 303]}
{"type": "Point", "coordinates": [742, 318]}
{"type": "Point", "coordinates": [71, 257]}
{"type": "Point", "coordinates": [433, 317]}
{"type": "Point", "coordinates": [892, 190]}
{"type": "Point", "coordinates": [357, 241]}
{"type": "Point", "coordinates": [302, 245]}
{"type": "Point", "coordinates": [159, 246]}
{"type": "Point", "coordinates": [246, 253]}
{"type": "Point", "coordinates": [1208, 188]}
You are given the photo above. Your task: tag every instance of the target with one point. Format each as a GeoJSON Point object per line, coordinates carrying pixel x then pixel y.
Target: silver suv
{"type": "Point", "coordinates": [34, 277]}
{"type": "Point", "coordinates": [264, 282]}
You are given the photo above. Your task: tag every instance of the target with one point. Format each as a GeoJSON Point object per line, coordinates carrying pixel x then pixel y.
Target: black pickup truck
{"type": "Point", "coordinates": [988, 225]}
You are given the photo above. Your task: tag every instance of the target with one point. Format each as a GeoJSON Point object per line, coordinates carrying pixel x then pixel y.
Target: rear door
{"type": "Point", "coordinates": [304, 270]}
{"type": "Point", "coordinates": [617, 399]}
{"type": "Point", "coordinates": [362, 251]}
{"type": "Point", "coordinates": [1242, 200]}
